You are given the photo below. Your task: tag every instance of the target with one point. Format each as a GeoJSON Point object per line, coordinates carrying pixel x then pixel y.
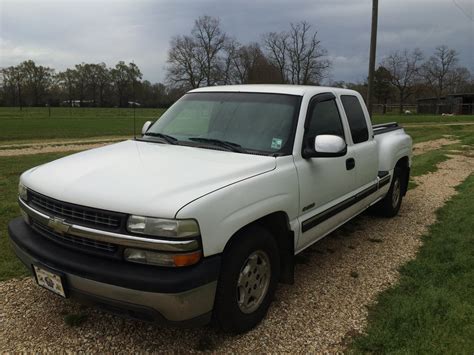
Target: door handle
{"type": "Point", "coordinates": [350, 163]}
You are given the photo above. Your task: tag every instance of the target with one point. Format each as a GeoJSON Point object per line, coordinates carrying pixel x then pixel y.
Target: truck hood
{"type": "Point", "coordinates": [143, 178]}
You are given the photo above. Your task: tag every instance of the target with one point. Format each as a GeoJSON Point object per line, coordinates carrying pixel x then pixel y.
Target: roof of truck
{"type": "Point", "coordinates": [299, 90]}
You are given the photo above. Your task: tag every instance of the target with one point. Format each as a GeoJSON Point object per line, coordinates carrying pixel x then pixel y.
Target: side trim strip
{"type": "Point", "coordinates": [341, 206]}
{"type": "Point", "coordinates": [384, 181]}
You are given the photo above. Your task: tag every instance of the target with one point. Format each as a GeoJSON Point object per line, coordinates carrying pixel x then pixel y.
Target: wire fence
{"type": "Point", "coordinates": [425, 109]}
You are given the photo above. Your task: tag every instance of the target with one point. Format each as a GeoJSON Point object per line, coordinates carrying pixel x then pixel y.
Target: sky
{"type": "Point", "coordinates": [61, 33]}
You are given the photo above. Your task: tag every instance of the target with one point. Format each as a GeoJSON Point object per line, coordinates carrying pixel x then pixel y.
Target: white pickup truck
{"type": "Point", "coordinates": [201, 216]}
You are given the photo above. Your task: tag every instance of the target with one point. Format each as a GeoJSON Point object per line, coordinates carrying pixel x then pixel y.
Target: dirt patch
{"type": "Point", "coordinates": [424, 147]}
{"type": "Point", "coordinates": [336, 279]}
{"type": "Point", "coordinates": [8, 150]}
{"type": "Point", "coordinates": [39, 149]}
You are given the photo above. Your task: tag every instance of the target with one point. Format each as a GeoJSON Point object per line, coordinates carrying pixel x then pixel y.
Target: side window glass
{"type": "Point", "coordinates": [355, 116]}
{"type": "Point", "coordinates": [325, 119]}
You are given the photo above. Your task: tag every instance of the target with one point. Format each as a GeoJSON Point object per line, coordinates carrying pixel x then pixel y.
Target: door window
{"type": "Point", "coordinates": [325, 119]}
{"type": "Point", "coordinates": [356, 117]}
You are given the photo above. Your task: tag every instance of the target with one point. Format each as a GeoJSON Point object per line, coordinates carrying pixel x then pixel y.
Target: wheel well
{"type": "Point", "coordinates": [277, 224]}
{"type": "Point", "coordinates": [403, 164]}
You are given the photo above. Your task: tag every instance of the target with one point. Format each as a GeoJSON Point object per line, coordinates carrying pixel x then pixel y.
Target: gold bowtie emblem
{"type": "Point", "coordinates": [58, 225]}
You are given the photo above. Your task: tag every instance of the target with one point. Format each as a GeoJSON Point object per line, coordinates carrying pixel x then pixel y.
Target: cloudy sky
{"type": "Point", "coordinates": [61, 33]}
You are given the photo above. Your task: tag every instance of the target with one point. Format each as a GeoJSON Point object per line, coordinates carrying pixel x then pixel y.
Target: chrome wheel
{"type": "Point", "coordinates": [253, 282]}
{"type": "Point", "coordinates": [396, 192]}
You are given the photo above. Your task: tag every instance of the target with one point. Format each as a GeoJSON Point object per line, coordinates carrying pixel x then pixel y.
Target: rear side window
{"type": "Point", "coordinates": [325, 119]}
{"type": "Point", "coordinates": [355, 116]}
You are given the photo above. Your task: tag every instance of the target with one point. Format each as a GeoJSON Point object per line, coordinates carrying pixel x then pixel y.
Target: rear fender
{"type": "Point", "coordinates": [393, 146]}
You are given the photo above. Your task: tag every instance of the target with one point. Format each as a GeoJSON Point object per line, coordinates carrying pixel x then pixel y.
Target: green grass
{"type": "Point", "coordinates": [422, 134]}
{"type": "Point", "coordinates": [427, 162]}
{"type": "Point", "coordinates": [35, 123]}
{"type": "Point", "coordinates": [431, 310]}
{"type": "Point", "coordinates": [10, 170]}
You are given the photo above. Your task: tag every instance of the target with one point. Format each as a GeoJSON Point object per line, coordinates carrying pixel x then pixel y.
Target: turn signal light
{"type": "Point", "coordinates": [187, 259]}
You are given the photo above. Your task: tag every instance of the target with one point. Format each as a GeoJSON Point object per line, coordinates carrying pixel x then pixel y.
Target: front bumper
{"type": "Point", "coordinates": [173, 296]}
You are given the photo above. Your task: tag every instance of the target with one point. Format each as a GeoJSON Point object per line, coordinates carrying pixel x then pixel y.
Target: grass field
{"type": "Point", "coordinates": [63, 122]}
{"type": "Point", "coordinates": [36, 124]}
{"type": "Point", "coordinates": [431, 310]}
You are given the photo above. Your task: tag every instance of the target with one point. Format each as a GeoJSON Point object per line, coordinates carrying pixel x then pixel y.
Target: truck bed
{"type": "Point", "coordinates": [385, 127]}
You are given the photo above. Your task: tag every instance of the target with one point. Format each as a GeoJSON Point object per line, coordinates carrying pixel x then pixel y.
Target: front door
{"type": "Point", "coordinates": [324, 182]}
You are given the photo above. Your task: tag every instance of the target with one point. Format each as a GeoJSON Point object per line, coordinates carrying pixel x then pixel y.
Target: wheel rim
{"type": "Point", "coordinates": [396, 192]}
{"type": "Point", "coordinates": [253, 282]}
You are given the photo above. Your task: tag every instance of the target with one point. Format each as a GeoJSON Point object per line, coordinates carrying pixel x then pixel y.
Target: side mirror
{"type": "Point", "coordinates": [325, 145]}
{"type": "Point", "coordinates": [146, 126]}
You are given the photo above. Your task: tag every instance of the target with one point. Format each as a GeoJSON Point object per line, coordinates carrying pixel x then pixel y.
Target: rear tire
{"type": "Point", "coordinates": [248, 280]}
{"type": "Point", "coordinates": [390, 204]}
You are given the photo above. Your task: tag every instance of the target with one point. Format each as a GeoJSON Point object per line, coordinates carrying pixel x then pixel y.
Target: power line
{"type": "Point", "coordinates": [468, 15]}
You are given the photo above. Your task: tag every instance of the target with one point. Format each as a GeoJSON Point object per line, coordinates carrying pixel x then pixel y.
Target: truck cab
{"type": "Point", "coordinates": [200, 218]}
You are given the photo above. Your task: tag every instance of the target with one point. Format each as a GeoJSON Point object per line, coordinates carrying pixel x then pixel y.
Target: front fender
{"type": "Point", "coordinates": [224, 212]}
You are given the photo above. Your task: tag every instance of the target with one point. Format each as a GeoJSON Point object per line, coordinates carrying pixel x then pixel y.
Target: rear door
{"type": "Point", "coordinates": [364, 145]}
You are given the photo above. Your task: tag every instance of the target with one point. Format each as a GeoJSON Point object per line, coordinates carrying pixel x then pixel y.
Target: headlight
{"type": "Point", "coordinates": [149, 257]}
{"type": "Point", "coordinates": [22, 191]}
{"type": "Point", "coordinates": [172, 228]}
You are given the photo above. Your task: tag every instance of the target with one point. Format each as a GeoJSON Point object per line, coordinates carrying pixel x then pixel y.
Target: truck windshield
{"type": "Point", "coordinates": [240, 122]}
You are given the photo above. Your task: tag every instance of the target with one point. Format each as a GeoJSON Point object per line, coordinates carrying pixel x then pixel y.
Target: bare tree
{"type": "Point", "coordinates": [403, 67]}
{"type": "Point", "coordinates": [298, 54]}
{"type": "Point", "coordinates": [243, 60]}
{"type": "Point", "coordinates": [210, 40]}
{"type": "Point", "coordinates": [441, 72]}
{"type": "Point", "coordinates": [459, 80]}
{"type": "Point", "coordinates": [184, 64]}
{"type": "Point", "coordinates": [276, 45]}
{"type": "Point", "coordinates": [230, 63]}
{"type": "Point", "coordinates": [198, 59]}
{"type": "Point", "coordinates": [307, 57]}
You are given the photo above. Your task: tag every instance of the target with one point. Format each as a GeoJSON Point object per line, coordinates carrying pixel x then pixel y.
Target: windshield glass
{"type": "Point", "coordinates": [255, 122]}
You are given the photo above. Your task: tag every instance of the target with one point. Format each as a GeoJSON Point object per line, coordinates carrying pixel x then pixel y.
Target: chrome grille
{"type": "Point", "coordinates": [74, 240]}
{"type": "Point", "coordinates": [74, 213]}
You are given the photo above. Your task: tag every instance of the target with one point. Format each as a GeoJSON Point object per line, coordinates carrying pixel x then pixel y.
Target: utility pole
{"type": "Point", "coordinates": [373, 47]}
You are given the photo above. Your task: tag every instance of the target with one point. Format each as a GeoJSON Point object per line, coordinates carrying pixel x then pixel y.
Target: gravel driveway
{"type": "Point", "coordinates": [336, 279]}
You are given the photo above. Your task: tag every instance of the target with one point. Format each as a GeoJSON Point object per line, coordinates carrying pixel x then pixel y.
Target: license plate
{"type": "Point", "coordinates": [49, 280]}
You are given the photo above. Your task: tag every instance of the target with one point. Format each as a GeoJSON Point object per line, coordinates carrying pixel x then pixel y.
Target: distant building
{"type": "Point", "coordinates": [458, 104]}
{"type": "Point", "coordinates": [78, 103]}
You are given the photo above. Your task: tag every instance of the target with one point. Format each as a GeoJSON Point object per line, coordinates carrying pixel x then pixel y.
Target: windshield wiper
{"type": "Point", "coordinates": [165, 137]}
{"type": "Point", "coordinates": [234, 147]}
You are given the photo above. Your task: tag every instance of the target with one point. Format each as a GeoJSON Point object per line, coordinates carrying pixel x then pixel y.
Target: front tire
{"type": "Point", "coordinates": [248, 280]}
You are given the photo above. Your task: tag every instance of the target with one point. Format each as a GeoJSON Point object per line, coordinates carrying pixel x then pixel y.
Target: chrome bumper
{"type": "Point", "coordinates": [194, 304]}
